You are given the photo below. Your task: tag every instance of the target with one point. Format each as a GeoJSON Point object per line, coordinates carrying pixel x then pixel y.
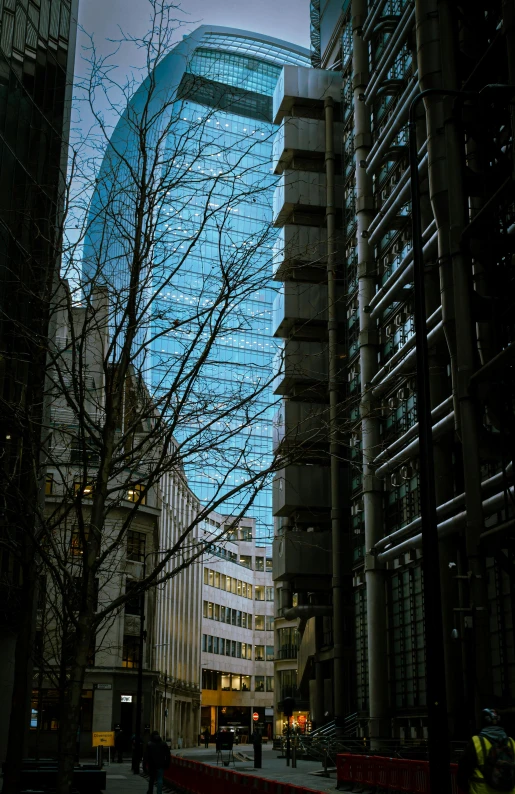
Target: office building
{"type": "Point", "coordinates": [348, 549]}
{"type": "Point", "coordinates": [237, 631]}
{"type": "Point", "coordinates": [37, 50]}
{"type": "Point", "coordinates": [214, 91]}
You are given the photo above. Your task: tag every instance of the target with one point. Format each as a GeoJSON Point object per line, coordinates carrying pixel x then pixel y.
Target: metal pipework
{"type": "Point", "coordinates": [334, 446]}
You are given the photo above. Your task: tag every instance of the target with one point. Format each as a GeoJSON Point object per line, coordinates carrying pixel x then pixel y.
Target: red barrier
{"type": "Point", "coordinates": [388, 774]}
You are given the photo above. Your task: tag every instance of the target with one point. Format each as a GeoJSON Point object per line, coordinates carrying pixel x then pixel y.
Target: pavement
{"type": "Point", "coordinates": [120, 779]}
{"type": "Point", "coordinates": [306, 773]}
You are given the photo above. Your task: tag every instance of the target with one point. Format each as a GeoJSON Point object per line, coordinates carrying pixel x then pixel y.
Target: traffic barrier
{"type": "Point", "coordinates": [386, 774]}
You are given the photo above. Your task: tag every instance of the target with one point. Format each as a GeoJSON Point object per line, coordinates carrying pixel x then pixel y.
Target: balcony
{"type": "Point", "coordinates": [305, 89]}
{"type": "Point", "coordinates": [300, 144]}
{"type": "Point", "coordinates": [301, 196]}
{"type": "Point", "coordinates": [287, 652]}
{"type": "Point", "coordinates": [300, 424]}
{"type": "Point", "coordinates": [301, 309]}
{"type": "Point", "coordinates": [302, 554]}
{"type": "Point", "coordinates": [300, 253]}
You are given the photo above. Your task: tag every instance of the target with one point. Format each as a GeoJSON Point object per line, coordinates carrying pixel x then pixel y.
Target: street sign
{"type": "Point", "coordinates": [102, 686]}
{"type": "Point", "coordinates": [103, 739]}
{"type": "Point", "coordinates": [255, 716]}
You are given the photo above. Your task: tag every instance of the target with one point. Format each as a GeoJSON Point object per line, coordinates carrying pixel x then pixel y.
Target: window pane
{"type": "Point", "coordinates": [269, 683]}
{"type": "Point", "coordinates": [269, 653]}
{"type": "Point", "coordinates": [259, 593]}
{"type": "Point", "coordinates": [245, 683]}
{"type": "Point", "coordinates": [226, 682]}
{"type": "Point", "coordinates": [259, 685]}
{"type": "Point", "coordinates": [206, 575]}
{"type": "Point", "coordinates": [246, 560]}
{"type": "Point", "coordinates": [269, 623]}
{"type": "Point", "coordinates": [269, 593]}
{"type": "Point", "coordinates": [136, 545]}
{"type": "Point", "coordinates": [259, 564]}
{"type": "Point", "coordinates": [259, 622]}
{"type": "Point", "coordinates": [217, 579]}
{"type": "Point", "coordinates": [211, 577]}
{"type": "Point", "coordinates": [259, 653]}
{"type": "Point", "coordinates": [268, 563]}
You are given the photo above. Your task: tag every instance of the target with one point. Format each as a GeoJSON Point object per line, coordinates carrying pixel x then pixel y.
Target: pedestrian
{"type": "Point", "coordinates": [488, 762]}
{"type": "Point", "coordinates": [207, 736]}
{"type": "Point", "coordinates": [118, 745]}
{"type": "Point", "coordinates": [157, 759]}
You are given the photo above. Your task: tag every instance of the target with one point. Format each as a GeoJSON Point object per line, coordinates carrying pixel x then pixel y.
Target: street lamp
{"type": "Point", "coordinates": [438, 731]}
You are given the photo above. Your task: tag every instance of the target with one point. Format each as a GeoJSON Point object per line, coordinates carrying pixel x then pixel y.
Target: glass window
{"type": "Point", "coordinates": [211, 578]}
{"type": "Point", "coordinates": [269, 653]}
{"type": "Point", "coordinates": [77, 541]}
{"type": "Point", "coordinates": [249, 621]}
{"type": "Point", "coordinates": [227, 615]}
{"type": "Point", "coordinates": [209, 644]}
{"type": "Point", "coordinates": [245, 683]}
{"type": "Point", "coordinates": [210, 606]}
{"type": "Point", "coordinates": [269, 623]}
{"type": "Point", "coordinates": [269, 593]}
{"type": "Point", "coordinates": [130, 652]}
{"type": "Point", "coordinates": [217, 612]}
{"type": "Point", "coordinates": [49, 484]}
{"type": "Point", "coordinates": [136, 493]}
{"type": "Point", "coordinates": [249, 591]}
{"type": "Point", "coordinates": [133, 605]}
{"type": "Point", "coordinates": [222, 581]}
{"type": "Point", "coordinates": [238, 588]}
{"type": "Point", "coordinates": [209, 679]}
{"type": "Point", "coordinates": [206, 575]}
{"type": "Point", "coordinates": [269, 683]}
{"type": "Point", "coordinates": [246, 560]}
{"type": "Point", "coordinates": [84, 490]}
{"type": "Point", "coordinates": [259, 653]}
{"type": "Point", "coordinates": [238, 617]}
{"type": "Point", "coordinates": [244, 589]}
{"type": "Point", "coordinates": [226, 682]}
{"type": "Point", "coordinates": [259, 683]}
{"type": "Point", "coordinates": [245, 534]}
{"type": "Point", "coordinates": [217, 579]}
{"type": "Point", "coordinates": [228, 584]}
{"type": "Point", "coordinates": [259, 593]}
{"type": "Point", "coordinates": [204, 611]}
{"type": "Point", "coordinates": [259, 622]}
{"type": "Point", "coordinates": [259, 564]}
{"type": "Point", "coordinates": [136, 545]}
{"type": "Point", "coordinates": [244, 620]}
{"type": "Point", "coordinates": [221, 646]}
{"type": "Point", "coordinates": [236, 683]}
{"type": "Point", "coordinates": [204, 642]}
{"type": "Point", "coordinates": [228, 647]}
{"type": "Point", "coordinates": [233, 586]}
{"type": "Point", "coordinates": [222, 614]}
{"type": "Point", "coordinates": [269, 564]}
{"type": "Point", "coordinates": [238, 650]}
{"type": "Point", "coordinates": [233, 648]}
{"type": "Point", "coordinates": [215, 644]}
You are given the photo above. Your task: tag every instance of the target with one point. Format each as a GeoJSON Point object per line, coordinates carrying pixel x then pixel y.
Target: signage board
{"type": "Point", "coordinates": [126, 698]}
{"type": "Point", "coordinates": [255, 716]}
{"type": "Point", "coordinates": [103, 686]}
{"type": "Point", "coordinates": [103, 738]}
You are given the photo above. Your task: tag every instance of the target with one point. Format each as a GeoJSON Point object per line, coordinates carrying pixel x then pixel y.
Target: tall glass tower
{"type": "Point", "coordinates": [223, 80]}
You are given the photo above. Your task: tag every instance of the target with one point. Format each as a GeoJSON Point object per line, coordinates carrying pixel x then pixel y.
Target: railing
{"type": "Point", "coordinates": [288, 652]}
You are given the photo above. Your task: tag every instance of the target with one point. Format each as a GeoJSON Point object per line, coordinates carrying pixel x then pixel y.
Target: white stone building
{"type": "Point", "coordinates": [237, 631]}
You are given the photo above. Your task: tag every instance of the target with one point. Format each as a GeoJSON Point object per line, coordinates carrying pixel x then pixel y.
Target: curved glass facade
{"type": "Point", "coordinates": [222, 132]}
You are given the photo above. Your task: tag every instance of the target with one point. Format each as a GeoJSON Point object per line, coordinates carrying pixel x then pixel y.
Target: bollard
{"type": "Point", "coordinates": [294, 755]}
{"type": "Point", "coordinates": [326, 773]}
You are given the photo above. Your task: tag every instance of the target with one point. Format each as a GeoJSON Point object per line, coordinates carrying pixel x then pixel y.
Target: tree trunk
{"type": "Point", "coordinates": [22, 690]}
{"type": "Point", "coordinates": [69, 720]}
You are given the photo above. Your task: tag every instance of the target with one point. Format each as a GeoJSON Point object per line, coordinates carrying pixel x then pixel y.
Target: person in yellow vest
{"type": "Point", "coordinates": [488, 762]}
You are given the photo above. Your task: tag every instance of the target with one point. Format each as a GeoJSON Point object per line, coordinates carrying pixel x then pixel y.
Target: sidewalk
{"type": "Point", "coordinates": [120, 779]}
{"type": "Point", "coordinates": [274, 768]}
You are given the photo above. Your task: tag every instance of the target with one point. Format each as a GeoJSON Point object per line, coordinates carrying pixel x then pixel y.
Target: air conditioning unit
{"type": "Point", "coordinates": [396, 479]}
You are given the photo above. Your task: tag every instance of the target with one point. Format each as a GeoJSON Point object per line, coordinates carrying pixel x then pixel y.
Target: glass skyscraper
{"type": "Point", "coordinates": [223, 81]}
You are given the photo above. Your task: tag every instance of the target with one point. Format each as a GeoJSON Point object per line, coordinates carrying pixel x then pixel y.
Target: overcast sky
{"type": "Point", "coordinates": [284, 19]}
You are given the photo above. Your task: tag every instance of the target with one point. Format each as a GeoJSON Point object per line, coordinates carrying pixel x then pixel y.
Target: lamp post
{"type": "Point", "coordinates": [438, 731]}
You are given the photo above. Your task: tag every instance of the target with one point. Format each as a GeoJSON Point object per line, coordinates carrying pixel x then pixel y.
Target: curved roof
{"type": "Point", "coordinates": [257, 45]}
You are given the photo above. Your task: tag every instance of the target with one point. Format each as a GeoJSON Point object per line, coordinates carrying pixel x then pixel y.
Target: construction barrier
{"type": "Point", "coordinates": [198, 778]}
{"type": "Point", "coordinates": [386, 774]}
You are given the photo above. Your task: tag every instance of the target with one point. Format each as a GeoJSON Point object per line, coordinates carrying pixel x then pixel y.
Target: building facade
{"type": "Point", "coordinates": [37, 51]}
{"type": "Point", "coordinates": [350, 408]}
{"type": "Point", "coordinates": [237, 631]}
{"type": "Point", "coordinates": [215, 89]}
{"type": "Point", "coordinates": [157, 631]}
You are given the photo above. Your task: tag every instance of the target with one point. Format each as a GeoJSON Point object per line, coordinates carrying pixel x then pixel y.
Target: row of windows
{"type": "Point", "coordinates": [133, 493]}
{"type": "Point", "coordinates": [227, 682]}
{"type": "Point", "coordinates": [235, 617]}
{"type": "Point", "coordinates": [232, 585]}
{"type": "Point", "coordinates": [239, 650]}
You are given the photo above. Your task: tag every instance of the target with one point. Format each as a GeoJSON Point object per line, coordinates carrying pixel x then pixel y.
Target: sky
{"type": "Point", "coordinates": [284, 19]}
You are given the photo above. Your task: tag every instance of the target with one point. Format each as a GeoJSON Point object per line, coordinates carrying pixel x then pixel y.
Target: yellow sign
{"type": "Point", "coordinates": [103, 739]}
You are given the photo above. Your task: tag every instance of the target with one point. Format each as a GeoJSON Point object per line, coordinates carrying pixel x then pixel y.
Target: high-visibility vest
{"type": "Point", "coordinates": [478, 785]}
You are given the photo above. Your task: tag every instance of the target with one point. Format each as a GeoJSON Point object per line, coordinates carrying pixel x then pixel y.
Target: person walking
{"type": "Point", "coordinates": [488, 762]}
{"type": "Point", "coordinates": [157, 759]}
{"type": "Point", "coordinates": [207, 736]}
